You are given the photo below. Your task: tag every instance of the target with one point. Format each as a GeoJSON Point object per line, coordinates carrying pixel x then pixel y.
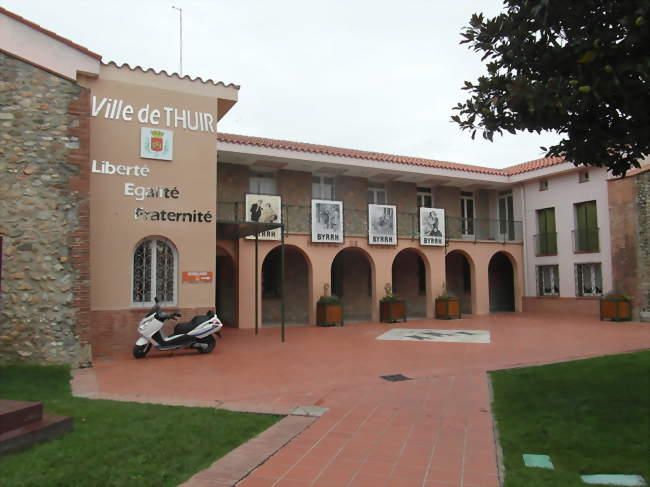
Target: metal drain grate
{"type": "Point", "coordinates": [395, 377]}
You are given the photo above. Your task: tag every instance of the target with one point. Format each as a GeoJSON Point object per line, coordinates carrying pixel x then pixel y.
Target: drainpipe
{"type": "Point", "coordinates": [525, 241]}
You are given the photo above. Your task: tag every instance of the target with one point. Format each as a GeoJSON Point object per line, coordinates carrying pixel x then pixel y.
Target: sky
{"type": "Point", "coordinates": [373, 75]}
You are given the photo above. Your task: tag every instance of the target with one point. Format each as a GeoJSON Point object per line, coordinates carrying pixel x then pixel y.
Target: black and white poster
{"type": "Point", "coordinates": [264, 208]}
{"type": "Point", "coordinates": [326, 221]}
{"type": "Point", "coordinates": [432, 226]}
{"type": "Point", "coordinates": [382, 224]}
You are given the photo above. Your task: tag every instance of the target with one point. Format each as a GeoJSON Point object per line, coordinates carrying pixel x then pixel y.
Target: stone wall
{"type": "Point", "coordinates": [629, 213]}
{"type": "Point", "coordinates": [44, 216]}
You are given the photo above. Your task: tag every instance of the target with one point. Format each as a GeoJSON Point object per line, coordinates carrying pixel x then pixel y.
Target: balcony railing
{"type": "Point", "coordinates": [545, 244]}
{"type": "Point", "coordinates": [586, 240]}
{"type": "Point", "coordinates": [297, 219]}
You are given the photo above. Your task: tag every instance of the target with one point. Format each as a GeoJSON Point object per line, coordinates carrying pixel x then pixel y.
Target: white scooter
{"type": "Point", "coordinates": [196, 333]}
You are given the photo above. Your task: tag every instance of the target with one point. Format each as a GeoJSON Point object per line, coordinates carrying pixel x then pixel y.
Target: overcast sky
{"type": "Point", "coordinates": [374, 75]}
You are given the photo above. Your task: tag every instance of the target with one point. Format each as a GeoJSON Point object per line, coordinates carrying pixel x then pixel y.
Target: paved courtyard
{"type": "Point", "coordinates": [434, 430]}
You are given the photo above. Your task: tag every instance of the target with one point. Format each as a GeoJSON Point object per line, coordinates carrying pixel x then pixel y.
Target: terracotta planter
{"type": "Point", "coordinates": [615, 309]}
{"type": "Point", "coordinates": [329, 314]}
{"type": "Point", "coordinates": [392, 311]}
{"type": "Point", "coordinates": [447, 308]}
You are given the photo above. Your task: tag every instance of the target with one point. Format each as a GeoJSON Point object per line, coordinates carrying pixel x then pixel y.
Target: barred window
{"type": "Point", "coordinates": [589, 280]}
{"type": "Point", "coordinates": [548, 280]}
{"type": "Point", "coordinates": [154, 272]}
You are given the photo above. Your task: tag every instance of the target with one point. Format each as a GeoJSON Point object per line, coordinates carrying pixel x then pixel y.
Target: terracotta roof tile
{"type": "Point", "coordinates": [357, 154]}
{"type": "Point", "coordinates": [532, 165]}
{"type": "Point", "coordinates": [171, 75]}
{"type": "Point", "coordinates": [54, 35]}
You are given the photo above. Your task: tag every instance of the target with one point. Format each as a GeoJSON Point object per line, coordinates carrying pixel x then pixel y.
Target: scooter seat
{"type": "Point", "coordinates": [187, 327]}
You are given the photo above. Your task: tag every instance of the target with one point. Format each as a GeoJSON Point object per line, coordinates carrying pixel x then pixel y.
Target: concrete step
{"type": "Point", "coordinates": [15, 414]}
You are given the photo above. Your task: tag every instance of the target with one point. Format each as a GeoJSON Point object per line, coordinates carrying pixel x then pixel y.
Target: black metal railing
{"type": "Point", "coordinates": [586, 240]}
{"type": "Point", "coordinates": [545, 244]}
{"type": "Point", "coordinates": [297, 219]}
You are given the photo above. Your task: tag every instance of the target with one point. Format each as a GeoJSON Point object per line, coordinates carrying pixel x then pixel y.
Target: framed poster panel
{"type": "Point", "coordinates": [432, 226]}
{"type": "Point", "coordinates": [382, 224]}
{"type": "Point", "coordinates": [264, 208]}
{"type": "Point", "coordinates": [326, 221]}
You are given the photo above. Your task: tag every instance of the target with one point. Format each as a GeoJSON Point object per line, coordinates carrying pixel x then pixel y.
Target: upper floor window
{"type": "Point", "coordinates": [589, 280]}
{"type": "Point", "coordinates": [322, 187]}
{"type": "Point", "coordinates": [506, 214]}
{"type": "Point", "coordinates": [583, 176]}
{"type": "Point", "coordinates": [262, 183]}
{"type": "Point", "coordinates": [586, 227]}
{"type": "Point", "coordinates": [543, 184]}
{"type": "Point", "coordinates": [377, 193]}
{"type": "Point", "coordinates": [546, 238]}
{"type": "Point", "coordinates": [425, 198]}
{"type": "Point", "coordinates": [155, 264]}
{"type": "Point", "coordinates": [467, 212]}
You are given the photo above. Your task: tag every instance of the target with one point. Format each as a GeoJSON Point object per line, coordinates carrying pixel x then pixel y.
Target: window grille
{"type": "Point", "coordinates": [589, 280]}
{"type": "Point", "coordinates": [548, 280]}
{"type": "Point", "coordinates": [154, 272]}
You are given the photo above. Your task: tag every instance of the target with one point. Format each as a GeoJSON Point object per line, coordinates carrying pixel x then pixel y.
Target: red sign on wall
{"type": "Point", "coordinates": [197, 276]}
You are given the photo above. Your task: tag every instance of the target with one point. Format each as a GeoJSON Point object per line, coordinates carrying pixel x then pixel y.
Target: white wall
{"type": "Point", "coordinates": [563, 192]}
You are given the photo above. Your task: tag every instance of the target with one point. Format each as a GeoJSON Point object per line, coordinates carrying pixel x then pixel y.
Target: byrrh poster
{"type": "Point", "coordinates": [264, 208]}
{"type": "Point", "coordinates": [326, 221]}
{"type": "Point", "coordinates": [382, 224]}
{"type": "Point", "coordinates": [432, 226]}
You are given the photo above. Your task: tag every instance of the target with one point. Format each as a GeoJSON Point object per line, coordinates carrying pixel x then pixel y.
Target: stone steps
{"type": "Point", "coordinates": [23, 423]}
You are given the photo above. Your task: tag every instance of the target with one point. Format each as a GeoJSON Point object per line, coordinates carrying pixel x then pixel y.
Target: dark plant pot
{"type": "Point", "coordinates": [392, 311]}
{"type": "Point", "coordinates": [329, 314]}
{"type": "Point", "coordinates": [447, 308]}
{"type": "Point", "coordinates": [615, 309]}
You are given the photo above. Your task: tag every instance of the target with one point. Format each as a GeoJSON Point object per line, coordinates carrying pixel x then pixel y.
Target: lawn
{"type": "Point", "coordinates": [117, 443]}
{"type": "Point", "coordinates": [590, 416]}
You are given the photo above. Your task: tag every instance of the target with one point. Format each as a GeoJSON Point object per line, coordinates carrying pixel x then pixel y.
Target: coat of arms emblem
{"type": "Point", "coordinates": [156, 144]}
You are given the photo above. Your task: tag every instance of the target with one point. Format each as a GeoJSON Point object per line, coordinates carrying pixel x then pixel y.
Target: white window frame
{"type": "Point", "coordinates": [258, 178]}
{"type": "Point", "coordinates": [423, 193]}
{"type": "Point", "coordinates": [594, 266]}
{"type": "Point", "coordinates": [554, 278]}
{"type": "Point", "coordinates": [376, 189]}
{"type": "Point", "coordinates": [466, 229]}
{"type": "Point", "coordinates": [320, 193]}
{"type": "Point", "coordinates": [152, 242]}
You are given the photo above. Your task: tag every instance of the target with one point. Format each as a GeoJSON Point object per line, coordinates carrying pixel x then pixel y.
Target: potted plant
{"type": "Point", "coordinates": [329, 310]}
{"type": "Point", "coordinates": [391, 307]}
{"type": "Point", "coordinates": [447, 305]}
{"type": "Point", "coordinates": [615, 306]}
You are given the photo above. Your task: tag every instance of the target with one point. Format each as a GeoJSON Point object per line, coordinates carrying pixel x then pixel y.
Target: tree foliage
{"type": "Point", "coordinates": [576, 67]}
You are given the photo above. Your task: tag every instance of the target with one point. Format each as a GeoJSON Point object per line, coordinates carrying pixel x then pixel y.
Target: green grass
{"type": "Point", "coordinates": [116, 443]}
{"type": "Point", "coordinates": [590, 416]}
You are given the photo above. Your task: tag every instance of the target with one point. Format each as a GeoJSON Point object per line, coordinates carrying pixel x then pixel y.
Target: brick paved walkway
{"type": "Point", "coordinates": [432, 431]}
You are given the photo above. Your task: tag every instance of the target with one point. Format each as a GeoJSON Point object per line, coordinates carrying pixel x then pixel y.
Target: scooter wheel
{"type": "Point", "coordinates": [210, 342]}
{"type": "Point", "coordinates": [140, 351]}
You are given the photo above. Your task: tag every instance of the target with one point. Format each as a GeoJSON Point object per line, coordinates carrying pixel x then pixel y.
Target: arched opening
{"type": "Point", "coordinates": [154, 272]}
{"type": "Point", "coordinates": [409, 276]}
{"type": "Point", "coordinates": [296, 287]}
{"type": "Point", "coordinates": [352, 282]}
{"type": "Point", "coordinates": [501, 281]}
{"type": "Point", "coordinates": [225, 298]}
{"type": "Point", "coordinates": [458, 277]}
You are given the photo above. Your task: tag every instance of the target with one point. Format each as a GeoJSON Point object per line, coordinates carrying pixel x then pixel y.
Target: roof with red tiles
{"type": "Point", "coordinates": [378, 156]}
{"type": "Point", "coordinates": [357, 154]}
{"type": "Point", "coordinates": [532, 165]}
{"type": "Point", "coordinates": [170, 75]}
{"type": "Point", "coordinates": [53, 35]}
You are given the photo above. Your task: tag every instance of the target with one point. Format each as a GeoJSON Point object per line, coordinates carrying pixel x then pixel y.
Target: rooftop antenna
{"type": "Point", "coordinates": [180, 11]}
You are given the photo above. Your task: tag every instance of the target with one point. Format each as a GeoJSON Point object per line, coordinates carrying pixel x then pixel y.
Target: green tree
{"type": "Point", "coordinates": [575, 67]}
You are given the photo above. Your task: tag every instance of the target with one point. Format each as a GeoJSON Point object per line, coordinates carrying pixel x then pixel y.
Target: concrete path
{"type": "Point", "coordinates": [432, 431]}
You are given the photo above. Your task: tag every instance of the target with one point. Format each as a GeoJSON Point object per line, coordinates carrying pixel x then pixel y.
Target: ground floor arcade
{"type": "Point", "coordinates": [486, 275]}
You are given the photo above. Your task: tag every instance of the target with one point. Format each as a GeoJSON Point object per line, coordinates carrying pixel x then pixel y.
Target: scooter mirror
{"type": "Point", "coordinates": [156, 300]}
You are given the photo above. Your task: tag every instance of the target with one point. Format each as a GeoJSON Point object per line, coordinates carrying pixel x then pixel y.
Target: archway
{"type": "Point", "coordinates": [458, 277]}
{"type": "Point", "coordinates": [297, 280]}
{"type": "Point", "coordinates": [409, 276]}
{"type": "Point", "coordinates": [225, 298]}
{"type": "Point", "coordinates": [501, 280]}
{"type": "Point", "coordinates": [352, 281]}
